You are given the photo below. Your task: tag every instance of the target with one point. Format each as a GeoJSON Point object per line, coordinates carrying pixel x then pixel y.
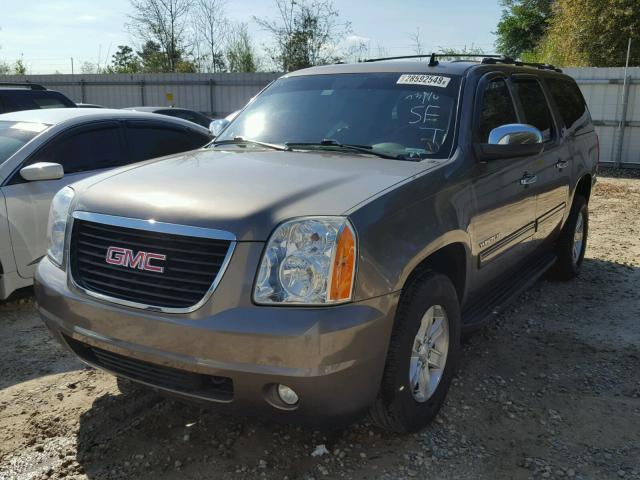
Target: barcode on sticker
{"type": "Point", "coordinates": [428, 80]}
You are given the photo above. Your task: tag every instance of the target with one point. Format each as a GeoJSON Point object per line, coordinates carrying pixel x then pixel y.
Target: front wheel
{"type": "Point", "coordinates": [423, 355]}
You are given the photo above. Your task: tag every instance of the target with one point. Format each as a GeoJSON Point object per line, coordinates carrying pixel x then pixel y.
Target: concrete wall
{"type": "Point", "coordinates": [603, 88]}
{"type": "Point", "coordinates": [214, 94]}
{"type": "Point", "coordinates": [222, 93]}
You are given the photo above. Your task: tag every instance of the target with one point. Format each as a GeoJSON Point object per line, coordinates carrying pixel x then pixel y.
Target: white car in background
{"type": "Point", "coordinates": [41, 151]}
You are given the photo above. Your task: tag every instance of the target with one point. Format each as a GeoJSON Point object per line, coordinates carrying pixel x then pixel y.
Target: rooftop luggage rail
{"type": "Point", "coordinates": [485, 58]}
{"type": "Point", "coordinates": [25, 85]}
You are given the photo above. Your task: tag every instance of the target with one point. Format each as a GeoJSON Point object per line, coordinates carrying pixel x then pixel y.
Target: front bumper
{"type": "Point", "coordinates": [333, 357]}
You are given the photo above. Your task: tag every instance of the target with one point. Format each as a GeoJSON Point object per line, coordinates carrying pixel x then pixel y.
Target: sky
{"type": "Point", "coordinates": [47, 33]}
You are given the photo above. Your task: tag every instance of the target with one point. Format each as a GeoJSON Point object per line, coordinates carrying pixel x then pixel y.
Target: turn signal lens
{"type": "Point", "coordinates": [343, 268]}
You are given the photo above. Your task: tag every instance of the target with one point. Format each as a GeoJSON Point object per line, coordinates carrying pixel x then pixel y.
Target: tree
{"type": "Point", "coordinates": [241, 54]}
{"type": "Point", "coordinates": [416, 40]}
{"type": "Point", "coordinates": [210, 25]}
{"type": "Point", "coordinates": [522, 26]}
{"type": "Point", "coordinates": [592, 33]}
{"type": "Point", "coordinates": [88, 67]}
{"type": "Point", "coordinates": [164, 23]}
{"type": "Point", "coordinates": [125, 61]}
{"type": "Point", "coordinates": [305, 34]}
{"type": "Point", "coordinates": [5, 68]}
{"type": "Point", "coordinates": [19, 67]}
{"type": "Point", "coordinates": [151, 58]}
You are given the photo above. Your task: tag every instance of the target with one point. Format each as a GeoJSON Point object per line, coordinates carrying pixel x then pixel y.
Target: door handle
{"type": "Point", "coordinates": [560, 164]}
{"type": "Point", "coordinates": [528, 179]}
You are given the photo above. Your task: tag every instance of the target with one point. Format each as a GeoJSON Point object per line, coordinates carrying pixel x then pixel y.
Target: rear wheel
{"type": "Point", "coordinates": [572, 243]}
{"type": "Point", "coordinates": [423, 355]}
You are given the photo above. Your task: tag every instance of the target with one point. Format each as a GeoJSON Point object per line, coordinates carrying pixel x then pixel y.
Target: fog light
{"type": "Point", "coordinates": [287, 395]}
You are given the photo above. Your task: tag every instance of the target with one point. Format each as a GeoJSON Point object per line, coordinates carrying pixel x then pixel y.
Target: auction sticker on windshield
{"type": "Point", "coordinates": [429, 80]}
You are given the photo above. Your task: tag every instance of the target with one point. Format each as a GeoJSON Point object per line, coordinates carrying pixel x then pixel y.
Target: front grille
{"type": "Point", "coordinates": [207, 386]}
{"type": "Point", "coordinates": [190, 269]}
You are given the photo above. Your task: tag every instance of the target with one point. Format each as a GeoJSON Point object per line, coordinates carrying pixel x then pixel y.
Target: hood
{"type": "Point", "coordinates": [246, 193]}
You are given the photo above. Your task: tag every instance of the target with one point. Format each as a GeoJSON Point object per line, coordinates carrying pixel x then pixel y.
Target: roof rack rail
{"type": "Point", "coordinates": [434, 56]}
{"type": "Point", "coordinates": [518, 63]}
{"type": "Point", "coordinates": [29, 85]}
{"type": "Point", "coordinates": [487, 59]}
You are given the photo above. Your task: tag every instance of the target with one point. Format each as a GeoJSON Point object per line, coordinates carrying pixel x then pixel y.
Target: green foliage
{"type": "Point", "coordinates": [592, 33]}
{"type": "Point", "coordinates": [153, 59]}
{"type": "Point", "coordinates": [456, 52]}
{"type": "Point", "coordinates": [125, 60]}
{"type": "Point", "coordinates": [241, 55]}
{"type": "Point", "coordinates": [522, 26]}
{"type": "Point", "coordinates": [19, 67]}
{"type": "Point", "coordinates": [305, 34]}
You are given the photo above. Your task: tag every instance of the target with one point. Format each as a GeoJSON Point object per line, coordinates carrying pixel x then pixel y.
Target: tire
{"type": "Point", "coordinates": [568, 263]}
{"type": "Point", "coordinates": [399, 407]}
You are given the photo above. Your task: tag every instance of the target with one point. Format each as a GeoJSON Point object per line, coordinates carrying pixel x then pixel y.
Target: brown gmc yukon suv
{"type": "Point", "coordinates": [323, 256]}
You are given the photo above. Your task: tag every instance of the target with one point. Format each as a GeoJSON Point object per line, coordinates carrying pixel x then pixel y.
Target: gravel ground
{"type": "Point", "coordinates": [549, 390]}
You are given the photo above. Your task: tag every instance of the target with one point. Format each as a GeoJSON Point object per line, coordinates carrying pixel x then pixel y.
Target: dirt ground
{"type": "Point", "coordinates": [550, 390]}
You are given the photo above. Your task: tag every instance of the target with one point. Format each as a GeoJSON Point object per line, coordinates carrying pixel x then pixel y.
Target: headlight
{"type": "Point", "coordinates": [309, 261]}
{"type": "Point", "coordinates": [58, 224]}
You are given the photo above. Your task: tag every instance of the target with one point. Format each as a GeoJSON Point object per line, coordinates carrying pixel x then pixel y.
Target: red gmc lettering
{"type": "Point", "coordinates": [125, 257]}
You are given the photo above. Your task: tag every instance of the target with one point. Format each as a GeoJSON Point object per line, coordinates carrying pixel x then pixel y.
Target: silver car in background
{"type": "Point", "coordinates": [41, 151]}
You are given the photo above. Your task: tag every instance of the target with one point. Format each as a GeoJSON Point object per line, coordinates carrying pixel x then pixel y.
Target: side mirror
{"type": "Point", "coordinates": [42, 171]}
{"type": "Point", "coordinates": [511, 140]}
{"type": "Point", "coordinates": [217, 126]}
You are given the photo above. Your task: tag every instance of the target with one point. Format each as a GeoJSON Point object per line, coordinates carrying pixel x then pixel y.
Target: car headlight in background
{"type": "Point", "coordinates": [309, 261]}
{"type": "Point", "coordinates": [58, 224]}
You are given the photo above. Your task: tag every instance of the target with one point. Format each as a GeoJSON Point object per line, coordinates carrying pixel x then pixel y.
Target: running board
{"type": "Point", "coordinates": [479, 313]}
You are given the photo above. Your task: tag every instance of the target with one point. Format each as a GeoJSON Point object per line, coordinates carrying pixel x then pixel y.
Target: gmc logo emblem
{"type": "Point", "coordinates": [125, 257]}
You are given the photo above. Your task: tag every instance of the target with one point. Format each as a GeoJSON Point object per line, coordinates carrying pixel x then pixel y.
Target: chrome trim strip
{"type": "Point", "coordinates": [558, 209]}
{"type": "Point", "coordinates": [153, 226]}
{"type": "Point", "coordinates": [505, 244]}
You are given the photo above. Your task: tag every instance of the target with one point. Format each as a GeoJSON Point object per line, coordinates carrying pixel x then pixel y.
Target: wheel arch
{"type": "Point", "coordinates": [583, 187]}
{"type": "Point", "coordinates": [450, 259]}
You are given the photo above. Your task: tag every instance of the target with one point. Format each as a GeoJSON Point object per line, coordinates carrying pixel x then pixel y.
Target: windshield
{"type": "Point", "coordinates": [13, 135]}
{"type": "Point", "coordinates": [405, 116]}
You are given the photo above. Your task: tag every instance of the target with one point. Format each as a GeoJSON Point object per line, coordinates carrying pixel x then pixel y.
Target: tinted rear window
{"type": "Point", "coordinates": [570, 102]}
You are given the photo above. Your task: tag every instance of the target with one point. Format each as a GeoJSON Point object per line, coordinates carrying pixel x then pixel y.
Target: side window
{"type": "Point", "coordinates": [84, 150]}
{"type": "Point", "coordinates": [147, 141]}
{"type": "Point", "coordinates": [570, 102]}
{"type": "Point", "coordinates": [496, 108]}
{"type": "Point", "coordinates": [534, 105]}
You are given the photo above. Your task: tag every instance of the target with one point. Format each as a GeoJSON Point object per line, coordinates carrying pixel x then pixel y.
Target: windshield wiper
{"type": "Point", "coordinates": [245, 141]}
{"type": "Point", "coordinates": [334, 144]}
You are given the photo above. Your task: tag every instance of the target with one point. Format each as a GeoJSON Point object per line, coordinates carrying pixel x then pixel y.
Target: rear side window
{"type": "Point", "coordinates": [85, 150]}
{"type": "Point", "coordinates": [148, 141]}
{"type": "Point", "coordinates": [534, 106]}
{"type": "Point", "coordinates": [570, 102]}
{"type": "Point", "coordinates": [496, 108]}
{"type": "Point", "coordinates": [33, 100]}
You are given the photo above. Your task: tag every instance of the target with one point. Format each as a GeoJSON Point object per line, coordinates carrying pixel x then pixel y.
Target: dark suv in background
{"type": "Point", "coordinates": [30, 96]}
{"type": "Point", "coordinates": [322, 257]}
